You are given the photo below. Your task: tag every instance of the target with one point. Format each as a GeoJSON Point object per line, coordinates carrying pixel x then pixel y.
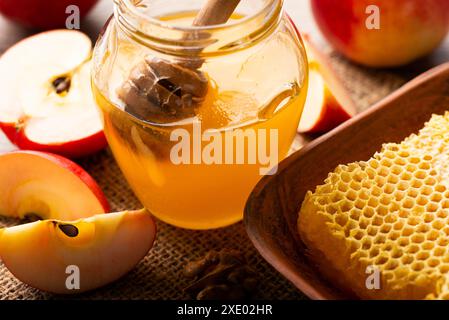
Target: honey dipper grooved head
{"type": "Point", "coordinates": [160, 90]}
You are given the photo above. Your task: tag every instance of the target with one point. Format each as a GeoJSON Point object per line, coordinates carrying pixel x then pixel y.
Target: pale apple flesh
{"type": "Point", "coordinates": [47, 186]}
{"type": "Point", "coordinates": [5, 144]}
{"type": "Point", "coordinates": [102, 248]}
{"type": "Point", "coordinates": [47, 102]}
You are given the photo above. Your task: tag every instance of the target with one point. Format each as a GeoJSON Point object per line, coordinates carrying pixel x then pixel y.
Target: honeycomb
{"type": "Point", "coordinates": [386, 217]}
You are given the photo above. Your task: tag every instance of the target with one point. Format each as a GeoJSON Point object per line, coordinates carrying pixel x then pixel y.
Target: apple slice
{"type": "Point", "coordinates": [47, 102]}
{"type": "Point", "coordinates": [96, 250]}
{"type": "Point", "coordinates": [47, 186]}
{"type": "Point", "coordinates": [328, 103]}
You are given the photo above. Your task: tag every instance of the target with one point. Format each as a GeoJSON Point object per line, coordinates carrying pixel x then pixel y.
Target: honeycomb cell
{"type": "Point", "coordinates": [397, 253]}
{"type": "Point", "coordinates": [389, 187]}
{"type": "Point", "coordinates": [413, 193]}
{"type": "Point", "coordinates": [393, 178]}
{"type": "Point", "coordinates": [408, 259]}
{"type": "Point", "coordinates": [392, 212]}
{"type": "Point", "coordinates": [436, 197]}
{"type": "Point", "coordinates": [442, 214]}
{"type": "Point", "coordinates": [386, 228]}
{"type": "Point", "coordinates": [426, 190]}
{"type": "Point", "coordinates": [432, 235]}
{"type": "Point", "coordinates": [421, 174]}
{"type": "Point", "coordinates": [391, 217]}
{"type": "Point", "coordinates": [366, 244]}
{"type": "Point", "coordinates": [418, 266]}
{"type": "Point", "coordinates": [416, 184]}
{"type": "Point", "coordinates": [403, 241]}
{"type": "Point", "coordinates": [428, 245]}
{"type": "Point", "coordinates": [341, 219]}
{"type": "Point", "coordinates": [423, 256]}
{"type": "Point", "coordinates": [407, 231]}
{"type": "Point", "coordinates": [351, 195]}
{"type": "Point", "coordinates": [383, 259]}
{"type": "Point", "coordinates": [432, 207]}
{"type": "Point", "coordinates": [360, 204]}
{"type": "Point", "coordinates": [391, 265]}
{"type": "Point", "coordinates": [433, 263]}
{"type": "Point", "coordinates": [443, 242]}
{"type": "Point", "coordinates": [394, 235]}
{"type": "Point", "coordinates": [429, 217]}
{"type": "Point", "coordinates": [444, 268]}
{"type": "Point", "coordinates": [355, 214]}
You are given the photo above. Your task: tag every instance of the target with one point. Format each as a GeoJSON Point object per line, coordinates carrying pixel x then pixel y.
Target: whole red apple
{"type": "Point", "coordinates": [406, 30]}
{"type": "Point", "coordinates": [48, 14]}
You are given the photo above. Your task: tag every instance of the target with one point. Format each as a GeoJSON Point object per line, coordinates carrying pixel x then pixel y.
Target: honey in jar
{"type": "Point", "coordinates": [197, 170]}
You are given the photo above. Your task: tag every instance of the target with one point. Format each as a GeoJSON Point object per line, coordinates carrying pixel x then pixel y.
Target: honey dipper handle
{"type": "Point", "coordinates": [215, 12]}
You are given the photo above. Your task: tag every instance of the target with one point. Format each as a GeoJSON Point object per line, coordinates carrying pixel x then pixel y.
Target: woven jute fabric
{"type": "Point", "coordinates": [159, 275]}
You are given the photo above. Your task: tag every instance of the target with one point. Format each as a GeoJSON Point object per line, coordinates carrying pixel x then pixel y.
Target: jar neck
{"type": "Point", "coordinates": [206, 41]}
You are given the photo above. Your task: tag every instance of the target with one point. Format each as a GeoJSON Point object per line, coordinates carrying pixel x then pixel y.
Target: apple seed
{"type": "Point", "coordinates": [69, 230]}
{"type": "Point", "coordinates": [62, 84]}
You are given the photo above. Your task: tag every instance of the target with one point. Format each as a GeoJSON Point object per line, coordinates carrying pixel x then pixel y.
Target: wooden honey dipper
{"type": "Point", "coordinates": [160, 90]}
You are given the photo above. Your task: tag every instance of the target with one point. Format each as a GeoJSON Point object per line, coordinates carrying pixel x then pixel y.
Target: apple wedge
{"type": "Point", "coordinates": [73, 257]}
{"type": "Point", "coordinates": [328, 103]}
{"type": "Point", "coordinates": [47, 103]}
{"type": "Point", "coordinates": [40, 185]}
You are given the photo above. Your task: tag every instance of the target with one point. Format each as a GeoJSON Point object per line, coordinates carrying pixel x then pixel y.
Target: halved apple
{"type": "Point", "coordinates": [46, 100]}
{"type": "Point", "coordinates": [328, 103]}
{"type": "Point", "coordinates": [46, 186]}
{"type": "Point", "coordinates": [96, 250]}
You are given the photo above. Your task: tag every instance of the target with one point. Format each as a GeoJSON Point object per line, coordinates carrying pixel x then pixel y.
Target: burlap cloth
{"type": "Point", "coordinates": [159, 275]}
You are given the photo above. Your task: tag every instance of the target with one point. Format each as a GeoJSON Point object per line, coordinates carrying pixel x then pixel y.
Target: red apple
{"type": "Point", "coordinates": [328, 103]}
{"type": "Point", "coordinates": [408, 30]}
{"type": "Point", "coordinates": [47, 186]}
{"type": "Point", "coordinates": [48, 14]}
{"type": "Point", "coordinates": [47, 102]}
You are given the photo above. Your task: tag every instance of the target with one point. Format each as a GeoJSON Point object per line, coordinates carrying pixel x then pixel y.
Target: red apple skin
{"type": "Point", "coordinates": [71, 149]}
{"type": "Point", "coordinates": [48, 14]}
{"type": "Point", "coordinates": [410, 29]}
{"type": "Point", "coordinates": [75, 169]}
{"type": "Point", "coordinates": [331, 116]}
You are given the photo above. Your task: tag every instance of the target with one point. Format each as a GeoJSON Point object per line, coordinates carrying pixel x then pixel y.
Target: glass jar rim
{"type": "Point", "coordinates": [127, 5]}
{"type": "Point", "coordinates": [167, 37]}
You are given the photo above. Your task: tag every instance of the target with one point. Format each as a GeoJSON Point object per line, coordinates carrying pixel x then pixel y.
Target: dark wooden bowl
{"type": "Point", "coordinates": [271, 211]}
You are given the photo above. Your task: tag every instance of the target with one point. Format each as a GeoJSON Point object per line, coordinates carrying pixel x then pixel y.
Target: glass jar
{"type": "Point", "coordinates": [195, 169]}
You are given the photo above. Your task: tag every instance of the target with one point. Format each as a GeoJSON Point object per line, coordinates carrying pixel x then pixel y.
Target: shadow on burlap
{"type": "Point", "coordinates": [159, 275]}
